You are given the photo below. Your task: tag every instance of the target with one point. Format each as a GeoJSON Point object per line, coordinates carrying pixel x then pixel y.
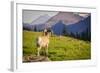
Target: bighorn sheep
{"type": "Point", "coordinates": [43, 42]}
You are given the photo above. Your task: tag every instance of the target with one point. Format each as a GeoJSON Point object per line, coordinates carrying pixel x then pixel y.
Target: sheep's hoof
{"type": "Point", "coordinates": [38, 55]}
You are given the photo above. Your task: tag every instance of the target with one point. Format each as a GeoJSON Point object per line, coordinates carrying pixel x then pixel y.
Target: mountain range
{"type": "Point", "coordinates": [65, 17]}
{"type": "Point", "coordinates": [75, 28]}
{"type": "Point", "coordinates": [62, 22]}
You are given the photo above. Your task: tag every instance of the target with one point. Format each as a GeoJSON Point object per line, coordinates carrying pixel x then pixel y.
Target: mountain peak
{"type": "Point", "coordinates": [65, 17]}
{"type": "Point", "coordinates": [41, 19]}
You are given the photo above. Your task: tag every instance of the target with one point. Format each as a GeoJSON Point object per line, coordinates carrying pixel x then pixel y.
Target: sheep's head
{"type": "Point", "coordinates": [46, 32]}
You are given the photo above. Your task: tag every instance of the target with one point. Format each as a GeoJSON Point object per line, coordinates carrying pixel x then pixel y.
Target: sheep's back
{"type": "Point", "coordinates": [43, 41]}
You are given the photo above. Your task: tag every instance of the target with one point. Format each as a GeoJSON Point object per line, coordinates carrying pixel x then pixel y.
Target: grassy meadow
{"type": "Point", "coordinates": [60, 48]}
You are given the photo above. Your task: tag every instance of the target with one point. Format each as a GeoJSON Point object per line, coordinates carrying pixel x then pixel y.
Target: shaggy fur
{"type": "Point", "coordinates": [43, 42]}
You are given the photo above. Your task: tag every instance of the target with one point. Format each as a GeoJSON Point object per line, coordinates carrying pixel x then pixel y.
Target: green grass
{"type": "Point", "coordinates": [60, 48]}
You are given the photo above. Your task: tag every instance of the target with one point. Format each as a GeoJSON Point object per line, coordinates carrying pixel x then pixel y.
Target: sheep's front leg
{"type": "Point", "coordinates": [47, 50]}
{"type": "Point", "coordinates": [38, 53]}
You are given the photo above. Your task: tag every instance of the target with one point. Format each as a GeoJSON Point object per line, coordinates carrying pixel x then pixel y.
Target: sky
{"type": "Point", "coordinates": [31, 15]}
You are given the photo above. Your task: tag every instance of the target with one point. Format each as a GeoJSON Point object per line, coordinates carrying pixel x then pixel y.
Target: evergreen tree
{"type": "Point", "coordinates": [64, 30]}
{"type": "Point", "coordinates": [77, 35]}
{"type": "Point", "coordinates": [35, 28]}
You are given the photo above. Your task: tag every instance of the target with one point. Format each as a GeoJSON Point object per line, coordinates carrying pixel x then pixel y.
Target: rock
{"type": "Point", "coordinates": [32, 58]}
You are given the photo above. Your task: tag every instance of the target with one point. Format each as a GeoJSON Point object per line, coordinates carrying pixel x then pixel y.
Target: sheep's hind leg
{"type": "Point", "coordinates": [47, 50]}
{"type": "Point", "coordinates": [38, 53]}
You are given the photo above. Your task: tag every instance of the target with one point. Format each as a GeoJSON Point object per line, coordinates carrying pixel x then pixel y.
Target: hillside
{"type": "Point", "coordinates": [60, 48]}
